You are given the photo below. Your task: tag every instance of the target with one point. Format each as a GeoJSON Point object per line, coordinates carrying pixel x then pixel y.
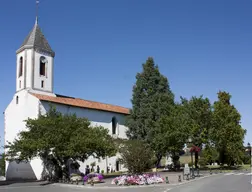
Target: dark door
{"type": "Point", "coordinates": [117, 165]}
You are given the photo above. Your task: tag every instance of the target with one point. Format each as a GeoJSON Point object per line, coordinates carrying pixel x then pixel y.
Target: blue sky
{"type": "Point", "coordinates": [201, 46]}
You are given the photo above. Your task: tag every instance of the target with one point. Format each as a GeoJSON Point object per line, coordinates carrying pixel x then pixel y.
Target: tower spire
{"type": "Point", "coordinates": [37, 10]}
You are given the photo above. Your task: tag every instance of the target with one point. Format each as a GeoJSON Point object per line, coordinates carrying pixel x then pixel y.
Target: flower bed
{"type": "Point", "coordinates": [145, 179]}
{"type": "Point", "coordinates": [75, 177]}
{"type": "Point", "coordinates": [95, 177]}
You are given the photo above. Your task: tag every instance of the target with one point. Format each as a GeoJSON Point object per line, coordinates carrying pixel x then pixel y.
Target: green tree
{"type": "Point", "coordinates": [210, 154]}
{"type": "Point", "coordinates": [2, 164]}
{"type": "Point", "coordinates": [172, 133]}
{"type": "Point", "coordinates": [152, 100]}
{"type": "Point", "coordinates": [56, 138]}
{"type": "Point", "coordinates": [227, 133]}
{"type": "Point", "coordinates": [137, 156]}
{"type": "Point", "coordinates": [198, 117]}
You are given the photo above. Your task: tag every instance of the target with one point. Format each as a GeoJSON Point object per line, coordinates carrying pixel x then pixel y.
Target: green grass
{"type": "Point", "coordinates": [244, 167]}
{"type": "Point", "coordinates": [213, 166]}
{"type": "Point", "coordinates": [113, 174]}
{"type": "Point", "coordinates": [163, 161]}
{"type": "Point", "coordinates": [226, 168]}
{"type": "Point", "coordinates": [185, 159]}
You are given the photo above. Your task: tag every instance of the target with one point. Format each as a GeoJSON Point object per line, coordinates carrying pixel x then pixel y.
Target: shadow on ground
{"type": "Point", "coordinates": [41, 183]}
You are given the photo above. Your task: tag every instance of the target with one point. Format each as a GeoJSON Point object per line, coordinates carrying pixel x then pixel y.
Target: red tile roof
{"type": "Point", "coordinates": [76, 102]}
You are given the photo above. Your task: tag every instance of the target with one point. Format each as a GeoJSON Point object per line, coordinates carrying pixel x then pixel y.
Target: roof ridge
{"type": "Point", "coordinates": [34, 30]}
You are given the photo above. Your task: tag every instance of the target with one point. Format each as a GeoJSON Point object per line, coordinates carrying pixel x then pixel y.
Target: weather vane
{"type": "Point", "coordinates": [37, 9]}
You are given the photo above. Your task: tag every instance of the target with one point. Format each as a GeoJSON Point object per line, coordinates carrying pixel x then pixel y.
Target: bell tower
{"type": "Point", "coordinates": [35, 60]}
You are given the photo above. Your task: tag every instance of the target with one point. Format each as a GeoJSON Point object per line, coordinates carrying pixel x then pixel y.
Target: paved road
{"type": "Point", "coordinates": [236, 182]}
{"type": "Point", "coordinates": [73, 189]}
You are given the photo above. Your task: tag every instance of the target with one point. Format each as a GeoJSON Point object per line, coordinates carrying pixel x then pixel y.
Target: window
{"type": "Point", "coordinates": [42, 84]}
{"type": "Point", "coordinates": [19, 84]}
{"type": "Point", "coordinates": [20, 73]}
{"type": "Point", "coordinates": [114, 123]}
{"type": "Point", "coordinates": [42, 66]}
{"type": "Point", "coordinates": [16, 99]}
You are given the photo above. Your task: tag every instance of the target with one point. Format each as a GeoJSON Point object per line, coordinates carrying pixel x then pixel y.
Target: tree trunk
{"type": "Point", "coordinates": [159, 157]}
{"type": "Point", "coordinates": [175, 160]}
{"type": "Point", "coordinates": [196, 159]}
{"type": "Point", "coordinates": [222, 157]}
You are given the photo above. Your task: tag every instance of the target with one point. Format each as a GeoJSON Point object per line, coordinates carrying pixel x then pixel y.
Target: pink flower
{"type": "Point", "coordinates": [195, 149]}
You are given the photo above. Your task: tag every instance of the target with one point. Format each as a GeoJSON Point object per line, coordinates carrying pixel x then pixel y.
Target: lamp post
{"type": "Point", "coordinates": [190, 141]}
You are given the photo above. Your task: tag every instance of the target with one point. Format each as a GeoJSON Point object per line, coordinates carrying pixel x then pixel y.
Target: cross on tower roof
{"type": "Point", "coordinates": [36, 39]}
{"type": "Point", "coordinates": [37, 9]}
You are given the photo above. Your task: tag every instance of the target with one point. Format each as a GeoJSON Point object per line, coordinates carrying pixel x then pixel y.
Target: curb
{"type": "Point", "coordinates": [130, 187]}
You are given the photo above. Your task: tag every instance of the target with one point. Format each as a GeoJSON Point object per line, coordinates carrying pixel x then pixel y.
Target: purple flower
{"type": "Point", "coordinates": [85, 178]}
{"type": "Point", "coordinates": [90, 176]}
{"type": "Point", "coordinates": [100, 177]}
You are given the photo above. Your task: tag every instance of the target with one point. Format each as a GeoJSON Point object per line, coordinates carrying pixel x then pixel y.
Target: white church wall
{"type": "Point", "coordinates": [15, 114]}
{"type": "Point", "coordinates": [99, 118]}
{"type": "Point", "coordinates": [96, 117]}
{"type": "Point", "coordinates": [103, 163]}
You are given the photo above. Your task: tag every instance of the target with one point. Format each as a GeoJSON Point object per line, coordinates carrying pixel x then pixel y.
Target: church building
{"type": "Point", "coordinates": [34, 95]}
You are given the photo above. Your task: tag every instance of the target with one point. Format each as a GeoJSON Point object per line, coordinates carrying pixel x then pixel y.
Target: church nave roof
{"type": "Point", "coordinates": [76, 102]}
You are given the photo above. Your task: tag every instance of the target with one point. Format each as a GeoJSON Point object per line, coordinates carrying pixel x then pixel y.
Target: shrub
{"type": "Point", "coordinates": [203, 162]}
{"type": "Point", "coordinates": [74, 175]}
{"type": "Point", "coordinates": [93, 164]}
{"type": "Point", "coordinates": [2, 164]}
{"type": "Point", "coordinates": [136, 156]}
{"type": "Point", "coordinates": [246, 159]}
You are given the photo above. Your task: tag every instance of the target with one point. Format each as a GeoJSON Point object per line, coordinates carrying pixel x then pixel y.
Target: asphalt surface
{"type": "Point", "coordinates": [236, 182]}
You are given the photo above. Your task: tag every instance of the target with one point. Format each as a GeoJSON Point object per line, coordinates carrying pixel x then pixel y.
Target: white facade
{"type": "Point", "coordinates": [24, 105]}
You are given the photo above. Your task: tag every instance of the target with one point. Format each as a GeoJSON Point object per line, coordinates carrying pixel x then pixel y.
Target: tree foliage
{"type": "Point", "coordinates": [152, 100]}
{"type": "Point", "coordinates": [137, 156]}
{"type": "Point", "coordinates": [198, 117]}
{"type": "Point", "coordinates": [227, 133]}
{"type": "Point", "coordinates": [57, 138]}
{"type": "Point", "coordinates": [210, 154]}
{"type": "Point", "coordinates": [2, 164]}
{"type": "Point", "coordinates": [172, 132]}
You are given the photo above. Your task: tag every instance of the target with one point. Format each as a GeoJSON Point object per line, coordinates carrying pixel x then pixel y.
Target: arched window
{"type": "Point", "coordinates": [42, 66]}
{"type": "Point", "coordinates": [20, 73]}
{"type": "Point", "coordinates": [16, 99]}
{"type": "Point", "coordinates": [114, 123]}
